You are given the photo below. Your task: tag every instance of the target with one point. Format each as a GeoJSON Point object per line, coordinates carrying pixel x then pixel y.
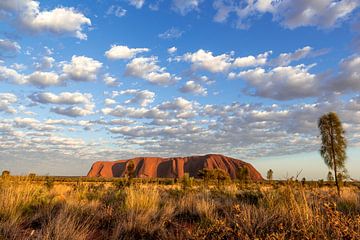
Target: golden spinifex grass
{"type": "Point", "coordinates": [41, 210]}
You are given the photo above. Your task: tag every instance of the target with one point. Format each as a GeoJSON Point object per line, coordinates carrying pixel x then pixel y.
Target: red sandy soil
{"type": "Point", "coordinates": [156, 167]}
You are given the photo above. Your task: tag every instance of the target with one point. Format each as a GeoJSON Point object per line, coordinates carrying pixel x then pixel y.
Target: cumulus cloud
{"type": "Point", "coordinates": [66, 98]}
{"type": "Point", "coordinates": [46, 63]}
{"type": "Point", "coordinates": [177, 104]}
{"type": "Point", "coordinates": [322, 13]}
{"type": "Point", "coordinates": [141, 97]}
{"type": "Point", "coordinates": [43, 79]}
{"type": "Point", "coordinates": [281, 83]}
{"type": "Point", "coordinates": [348, 78]}
{"type": "Point", "coordinates": [264, 128]}
{"type": "Point", "coordinates": [109, 101]}
{"type": "Point", "coordinates": [131, 112]}
{"type": "Point", "coordinates": [32, 124]}
{"type": "Point", "coordinates": [110, 80]}
{"type": "Point", "coordinates": [172, 50]}
{"type": "Point", "coordinates": [6, 100]}
{"type": "Point", "coordinates": [205, 60]}
{"type": "Point", "coordinates": [147, 69]}
{"type": "Point", "coordinates": [183, 7]}
{"type": "Point", "coordinates": [178, 108]}
{"type": "Point", "coordinates": [37, 78]}
{"type": "Point", "coordinates": [9, 48]}
{"type": "Point", "coordinates": [193, 87]}
{"type": "Point", "coordinates": [11, 75]}
{"type": "Point", "coordinates": [171, 33]}
{"type": "Point", "coordinates": [286, 58]}
{"type": "Point", "coordinates": [251, 61]}
{"type": "Point", "coordinates": [123, 52]}
{"type": "Point", "coordinates": [81, 68]}
{"type": "Point", "coordinates": [181, 107]}
{"type": "Point", "coordinates": [74, 111]}
{"type": "Point", "coordinates": [61, 20]}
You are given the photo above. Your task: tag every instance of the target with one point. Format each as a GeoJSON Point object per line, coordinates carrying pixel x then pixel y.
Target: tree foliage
{"type": "Point", "coordinates": [213, 174]}
{"type": "Point", "coordinates": [130, 169]}
{"type": "Point", "coordinates": [333, 143]}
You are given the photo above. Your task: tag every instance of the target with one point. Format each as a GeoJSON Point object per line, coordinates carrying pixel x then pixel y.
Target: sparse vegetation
{"type": "Point", "coordinates": [243, 174]}
{"type": "Point", "coordinates": [5, 173]}
{"type": "Point", "coordinates": [269, 175]}
{"type": "Point", "coordinates": [30, 209]}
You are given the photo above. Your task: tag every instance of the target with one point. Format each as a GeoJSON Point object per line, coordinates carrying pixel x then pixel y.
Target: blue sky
{"type": "Point", "coordinates": [106, 80]}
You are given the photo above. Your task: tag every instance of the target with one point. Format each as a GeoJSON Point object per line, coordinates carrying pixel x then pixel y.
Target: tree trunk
{"type": "Point", "coordinates": [333, 158]}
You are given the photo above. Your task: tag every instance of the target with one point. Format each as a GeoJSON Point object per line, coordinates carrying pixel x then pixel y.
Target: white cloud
{"type": "Point", "coordinates": [185, 6]}
{"type": "Point", "coordinates": [131, 112]}
{"type": "Point", "coordinates": [116, 10]}
{"type": "Point", "coordinates": [172, 50]}
{"type": "Point", "coordinates": [324, 13]}
{"type": "Point", "coordinates": [43, 79]}
{"type": "Point", "coordinates": [66, 98]}
{"type": "Point", "coordinates": [110, 80]}
{"type": "Point", "coordinates": [11, 75]}
{"type": "Point", "coordinates": [67, 122]}
{"type": "Point", "coordinates": [46, 63]}
{"type": "Point", "coordinates": [81, 68]}
{"type": "Point", "coordinates": [281, 83]}
{"type": "Point", "coordinates": [109, 101]}
{"type": "Point", "coordinates": [32, 124]}
{"type": "Point", "coordinates": [37, 78]}
{"type": "Point", "coordinates": [137, 3]}
{"type": "Point", "coordinates": [9, 48]}
{"type": "Point", "coordinates": [147, 68]}
{"type": "Point", "coordinates": [286, 58]}
{"type": "Point", "coordinates": [193, 87]}
{"type": "Point", "coordinates": [251, 61]}
{"type": "Point", "coordinates": [178, 103]}
{"type": "Point", "coordinates": [205, 80]}
{"type": "Point", "coordinates": [6, 100]}
{"type": "Point", "coordinates": [207, 61]}
{"type": "Point", "coordinates": [141, 97]}
{"type": "Point", "coordinates": [123, 52]}
{"type": "Point", "coordinates": [73, 111]}
{"type": "Point", "coordinates": [291, 14]}
{"type": "Point", "coordinates": [171, 33]}
{"type": "Point", "coordinates": [60, 20]}
{"type": "Point", "coordinates": [348, 78]}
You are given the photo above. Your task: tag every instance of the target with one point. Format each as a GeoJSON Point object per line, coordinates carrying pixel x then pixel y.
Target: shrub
{"type": "Point", "coordinates": [32, 175]}
{"type": "Point", "coordinates": [5, 173]}
{"type": "Point", "coordinates": [49, 183]}
{"type": "Point", "coordinates": [187, 181]}
{"type": "Point", "coordinates": [250, 197]}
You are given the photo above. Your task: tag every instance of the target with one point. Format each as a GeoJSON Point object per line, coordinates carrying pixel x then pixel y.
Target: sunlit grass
{"type": "Point", "coordinates": [37, 210]}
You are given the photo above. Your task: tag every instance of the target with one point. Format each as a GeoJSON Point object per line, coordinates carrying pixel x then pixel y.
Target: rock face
{"type": "Point", "coordinates": [155, 167]}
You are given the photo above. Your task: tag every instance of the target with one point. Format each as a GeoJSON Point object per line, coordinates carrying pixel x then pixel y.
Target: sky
{"type": "Point", "coordinates": [82, 81]}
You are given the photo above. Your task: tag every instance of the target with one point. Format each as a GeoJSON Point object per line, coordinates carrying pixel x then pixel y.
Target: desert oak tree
{"type": "Point", "coordinates": [333, 144]}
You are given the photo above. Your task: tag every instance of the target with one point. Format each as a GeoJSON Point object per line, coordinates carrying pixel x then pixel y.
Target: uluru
{"type": "Point", "coordinates": [174, 167]}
